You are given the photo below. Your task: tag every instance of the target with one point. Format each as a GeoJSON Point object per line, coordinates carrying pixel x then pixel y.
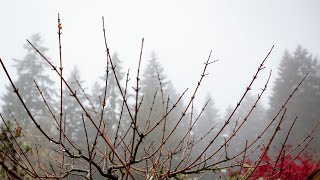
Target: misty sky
{"type": "Point", "coordinates": [182, 33]}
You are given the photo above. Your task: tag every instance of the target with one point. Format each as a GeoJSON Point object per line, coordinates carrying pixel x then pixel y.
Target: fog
{"type": "Point", "coordinates": [181, 33]}
{"type": "Point", "coordinates": [149, 126]}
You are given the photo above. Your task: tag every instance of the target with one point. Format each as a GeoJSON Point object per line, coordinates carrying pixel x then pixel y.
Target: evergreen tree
{"type": "Point", "coordinates": [113, 99]}
{"type": "Point", "coordinates": [96, 95]}
{"type": "Point", "coordinates": [208, 121]}
{"type": "Point", "coordinates": [155, 103]}
{"type": "Point", "coordinates": [31, 68]}
{"type": "Point", "coordinates": [71, 108]}
{"type": "Point", "coordinates": [306, 102]}
{"type": "Point", "coordinates": [149, 88]}
{"type": "Point", "coordinates": [254, 124]}
{"type": "Point", "coordinates": [228, 130]}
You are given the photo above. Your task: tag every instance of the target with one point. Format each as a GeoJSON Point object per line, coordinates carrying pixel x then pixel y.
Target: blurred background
{"type": "Point", "coordinates": [180, 33]}
{"type": "Point", "coordinates": [179, 36]}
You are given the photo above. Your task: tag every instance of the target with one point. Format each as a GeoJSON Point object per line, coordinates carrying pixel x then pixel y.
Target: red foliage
{"type": "Point", "coordinates": [298, 168]}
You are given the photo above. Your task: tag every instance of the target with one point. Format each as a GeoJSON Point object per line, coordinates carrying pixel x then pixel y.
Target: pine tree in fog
{"type": "Point", "coordinates": [254, 124]}
{"type": "Point", "coordinates": [29, 69]}
{"type": "Point", "coordinates": [305, 104]}
{"type": "Point", "coordinates": [207, 125]}
{"type": "Point", "coordinates": [72, 110]}
{"type": "Point", "coordinates": [113, 99]}
{"type": "Point", "coordinates": [157, 100]}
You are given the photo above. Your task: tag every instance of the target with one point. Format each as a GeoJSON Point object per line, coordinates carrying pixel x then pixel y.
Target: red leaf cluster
{"type": "Point", "coordinates": [286, 168]}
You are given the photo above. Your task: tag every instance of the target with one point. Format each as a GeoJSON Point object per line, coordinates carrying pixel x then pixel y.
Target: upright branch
{"type": "Point", "coordinates": [115, 74]}
{"type": "Point", "coordinates": [60, 68]}
{"type": "Point", "coordinates": [135, 129]}
{"type": "Point", "coordinates": [283, 146]}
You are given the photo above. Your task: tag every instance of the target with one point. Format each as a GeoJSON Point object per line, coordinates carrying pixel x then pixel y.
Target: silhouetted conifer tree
{"type": "Point", "coordinates": [208, 121]}
{"type": "Point", "coordinates": [157, 101]}
{"type": "Point", "coordinates": [113, 99]}
{"type": "Point", "coordinates": [72, 110]}
{"type": "Point", "coordinates": [306, 102]}
{"type": "Point", "coordinates": [29, 69]}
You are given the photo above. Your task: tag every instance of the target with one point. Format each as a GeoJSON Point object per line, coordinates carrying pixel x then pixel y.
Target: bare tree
{"type": "Point", "coordinates": [160, 158]}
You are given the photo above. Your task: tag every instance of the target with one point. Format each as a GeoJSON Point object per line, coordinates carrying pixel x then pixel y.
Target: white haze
{"type": "Point", "coordinates": [182, 33]}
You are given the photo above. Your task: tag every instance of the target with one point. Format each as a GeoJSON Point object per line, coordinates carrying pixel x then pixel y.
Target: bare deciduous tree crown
{"type": "Point", "coordinates": [153, 138]}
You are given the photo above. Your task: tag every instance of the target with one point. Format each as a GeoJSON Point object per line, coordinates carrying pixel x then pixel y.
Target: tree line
{"type": "Point", "coordinates": [156, 94]}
